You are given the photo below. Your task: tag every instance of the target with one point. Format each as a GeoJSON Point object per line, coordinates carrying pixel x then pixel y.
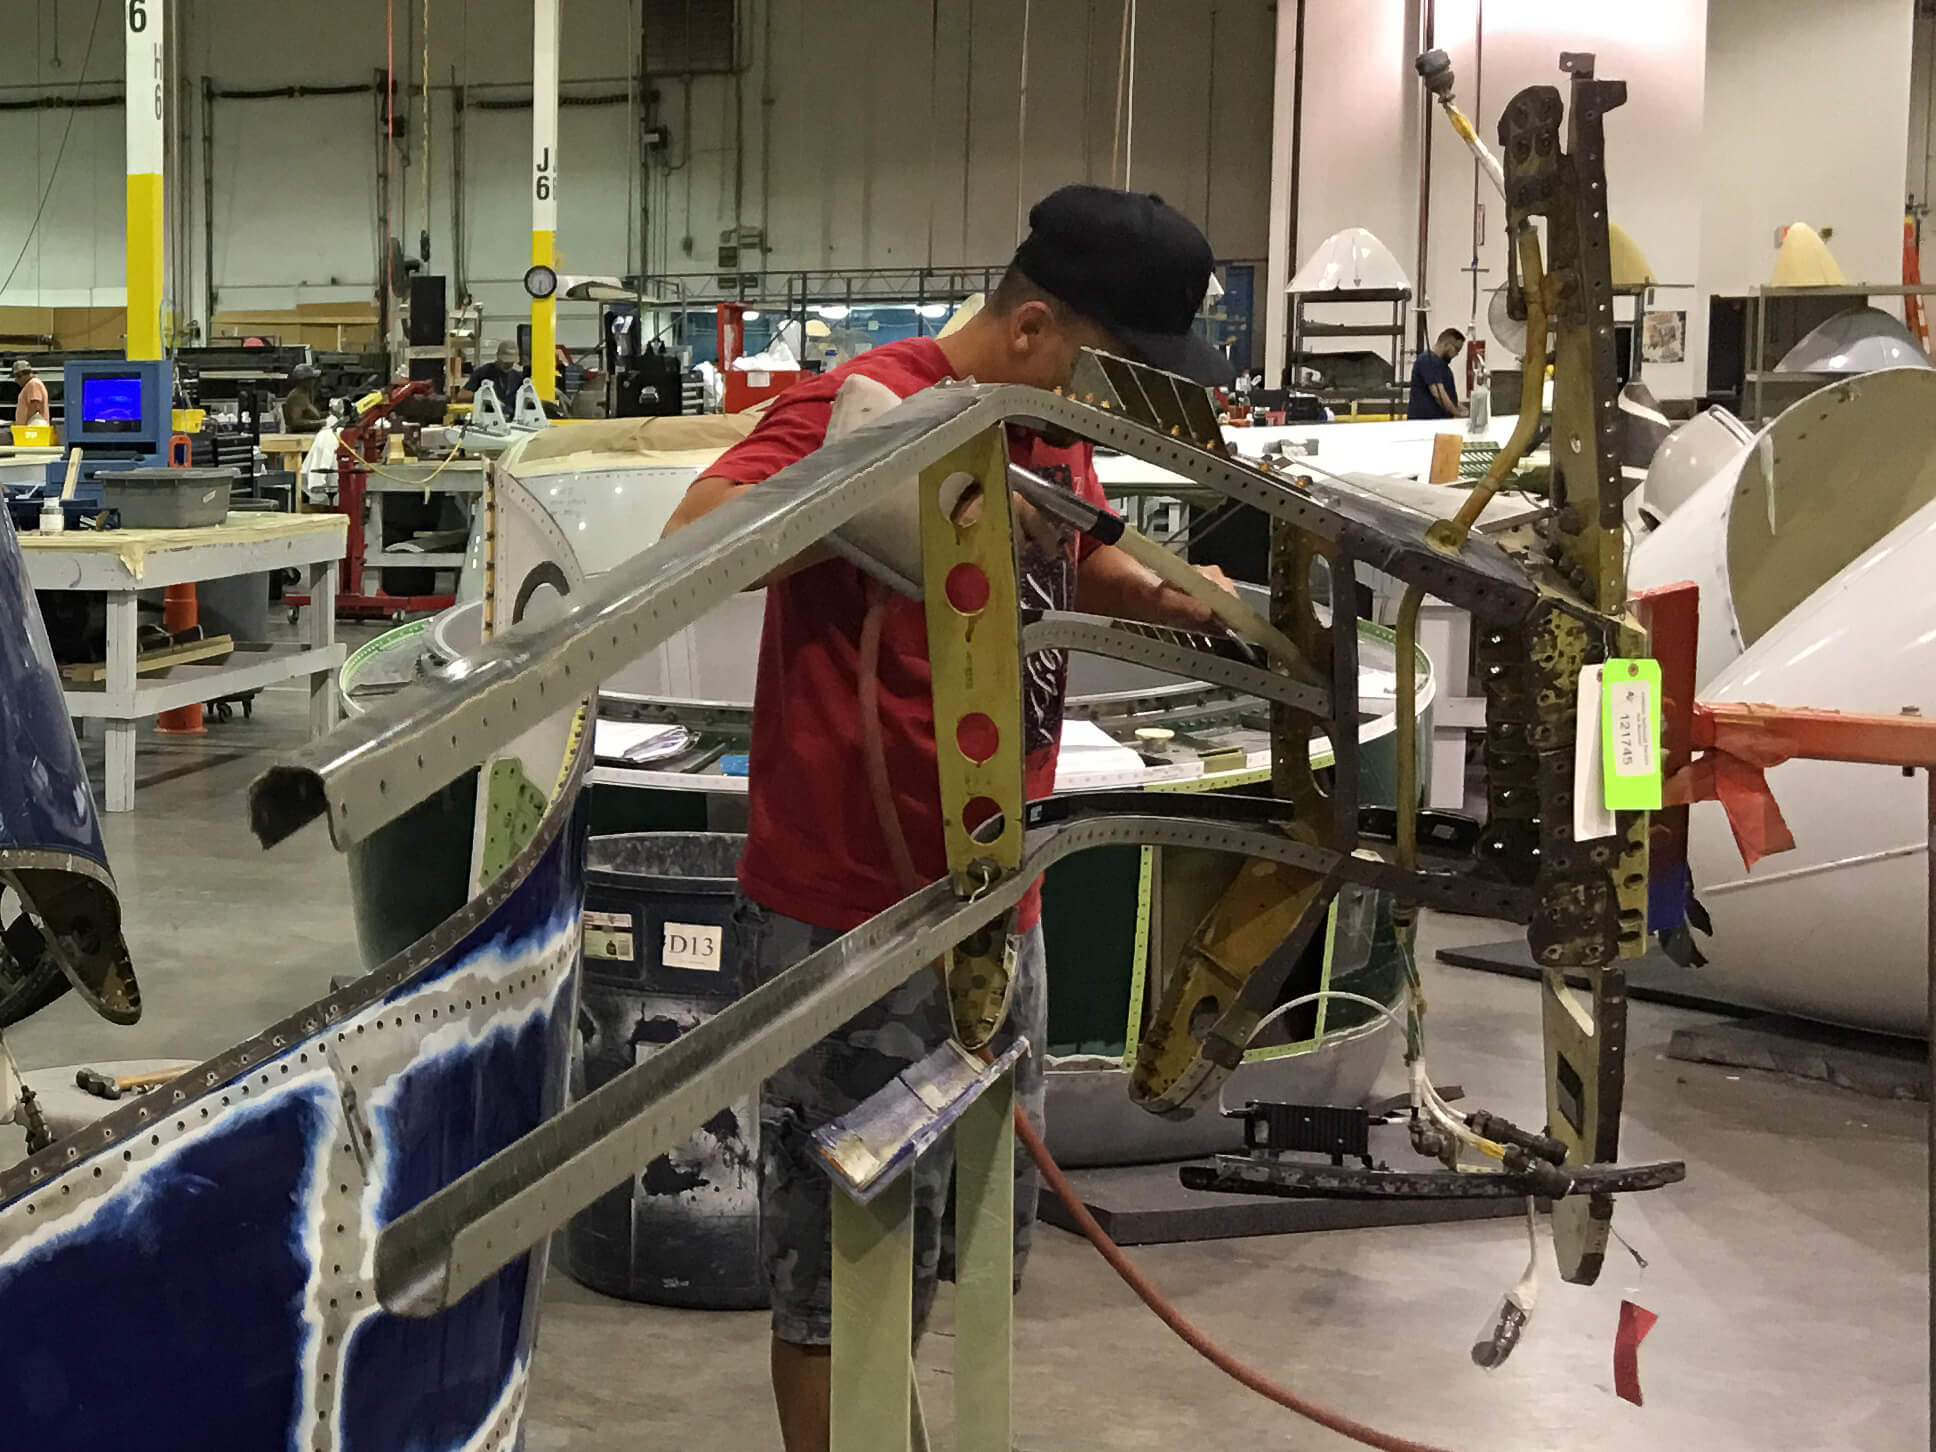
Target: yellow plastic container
{"type": "Point", "coordinates": [189, 420]}
{"type": "Point", "coordinates": [33, 436]}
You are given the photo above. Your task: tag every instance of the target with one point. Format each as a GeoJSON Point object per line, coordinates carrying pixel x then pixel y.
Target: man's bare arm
{"type": "Point", "coordinates": [1109, 582]}
{"type": "Point", "coordinates": [706, 494]}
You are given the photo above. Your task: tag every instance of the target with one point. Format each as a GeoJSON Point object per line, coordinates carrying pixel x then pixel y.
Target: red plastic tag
{"type": "Point", "coordinates": [1635, 1323]}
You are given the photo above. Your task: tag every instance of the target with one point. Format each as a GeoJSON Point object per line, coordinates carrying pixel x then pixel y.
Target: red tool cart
{"type": "Point", "coordinates": [359, 448]}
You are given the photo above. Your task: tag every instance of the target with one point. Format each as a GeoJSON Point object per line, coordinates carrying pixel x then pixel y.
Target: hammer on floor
{"type": "Point", "coordinates": [113, 1086]}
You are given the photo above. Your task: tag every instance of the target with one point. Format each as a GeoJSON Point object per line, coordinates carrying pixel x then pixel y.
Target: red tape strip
{"type": "Point", "coordinates": [1741, 786]}
{"type": "Point", "coordinates": [1635, 1323]}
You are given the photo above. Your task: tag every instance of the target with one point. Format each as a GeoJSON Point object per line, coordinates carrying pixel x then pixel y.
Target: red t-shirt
{"type": "Point", "coordinates": [814, 846]}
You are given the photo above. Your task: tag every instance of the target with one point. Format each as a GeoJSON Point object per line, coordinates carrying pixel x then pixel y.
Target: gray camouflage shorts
{"type": "Point", "coordinates": [862, 1056]}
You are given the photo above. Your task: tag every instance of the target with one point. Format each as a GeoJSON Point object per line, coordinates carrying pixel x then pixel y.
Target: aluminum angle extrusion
{"type": "Point", "coordinates": [436, 1253]}
{"type": "Point", "coordinates": [376, 766]}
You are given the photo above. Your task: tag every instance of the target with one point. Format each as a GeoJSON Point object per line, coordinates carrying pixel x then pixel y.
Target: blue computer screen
{"type": "Point", "coordinates": [111, 405]}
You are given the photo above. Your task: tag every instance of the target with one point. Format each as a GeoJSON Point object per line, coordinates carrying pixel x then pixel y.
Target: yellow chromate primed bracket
{"type": "Point", "coordinates": [975, 650]}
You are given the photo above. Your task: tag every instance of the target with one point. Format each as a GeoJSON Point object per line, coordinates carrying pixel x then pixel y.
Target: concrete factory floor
{"type": "Point", "coordinates": [1788, 1271]}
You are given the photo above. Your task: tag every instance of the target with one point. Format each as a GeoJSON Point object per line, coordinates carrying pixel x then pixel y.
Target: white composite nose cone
{"type": "Point", "coordinates": [1835, 929]}
{"type": "Point", "coordinates": [1350, 260]}
{"type": "Point", "coordinates": [1815, 489]}
{"type": "Point", "coordinates": [1688, 457]}
{"type": "Point", "coordinates": [607, 489]}
{"type": "Point", "coordinates": [1813, 544]}
{"type": "Point", "coordinates": [1803, 260]}
{"type": "Point", "coordinates": [1861, 340]}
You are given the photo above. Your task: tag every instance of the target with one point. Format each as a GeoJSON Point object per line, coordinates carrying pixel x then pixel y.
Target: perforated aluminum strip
{"type": "Point", "coordinates": [433, 1255]}
{"type": "Point", "coordinates": [373, 768]}
{"type": "Point", "coordinates": [1169, 651]}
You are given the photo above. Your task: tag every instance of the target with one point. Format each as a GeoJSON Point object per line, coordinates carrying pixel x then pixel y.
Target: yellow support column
{"type": "Point", "coordinates": [544, 321]}
{"type": "Point", "coordinates": [544, 191]}
{"type": "Point", "coordinates": [143, 20]}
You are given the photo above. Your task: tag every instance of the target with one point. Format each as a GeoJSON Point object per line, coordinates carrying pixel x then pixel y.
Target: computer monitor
{"type": "Point", "coordinates": [111, 403]}
{"type": "Point", "coordinates": [117, 406]}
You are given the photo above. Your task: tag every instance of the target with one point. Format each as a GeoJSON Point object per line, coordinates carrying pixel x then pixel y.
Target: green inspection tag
{"type": "Point", "coordinates": [1630, 734]}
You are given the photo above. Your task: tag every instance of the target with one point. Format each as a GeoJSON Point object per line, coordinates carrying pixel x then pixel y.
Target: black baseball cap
{"type": "Point", "coordinates": [1133, 263]}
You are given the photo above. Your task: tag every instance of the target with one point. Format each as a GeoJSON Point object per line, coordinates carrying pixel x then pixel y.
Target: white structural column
{"type": "Point", "coordinates": [544, 191]}
{"type": "Point", "coordinates": [1279, 264]}
{"type": "Point", "coordinates": [143, 20]}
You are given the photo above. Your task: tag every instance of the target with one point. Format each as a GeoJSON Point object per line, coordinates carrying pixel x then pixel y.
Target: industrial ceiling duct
{"type": "Point", "coordinates": [1861, 340]}
{"type": "Point", "coordinates": [1350, 261]}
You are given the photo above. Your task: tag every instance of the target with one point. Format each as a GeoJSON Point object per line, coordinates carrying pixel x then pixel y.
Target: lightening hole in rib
{"type": "Point", "coordinates": [982, 818]}
{"type": "Point", "coordinates": [977, 737]}
{"type": "Point", "coordinates": [967, 589]}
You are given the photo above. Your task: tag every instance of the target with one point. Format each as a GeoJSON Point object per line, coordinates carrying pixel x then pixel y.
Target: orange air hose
{"type": "Point", "coordinates": [1186, 1330]}
{"type": "Point", "coordinates": [873, 749]}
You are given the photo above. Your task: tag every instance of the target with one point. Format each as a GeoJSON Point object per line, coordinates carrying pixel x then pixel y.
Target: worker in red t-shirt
{"type": "Point", "coordinates": [1105, 269]}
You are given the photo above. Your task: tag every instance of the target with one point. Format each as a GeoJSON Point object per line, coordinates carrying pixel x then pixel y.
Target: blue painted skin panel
{"type": "Point", "coordinates": [441, 1376]}
{"type": "Point", "coordinates": [44, 800]}
{"type": "Point", "coordinates": [104, 1331]}
{"type": "Point", "coordinates": [172, 1318]}
{"type": "Point", "coordinates": [49, 836]}
{"type": "Point", "coordinates": [195, 1278]}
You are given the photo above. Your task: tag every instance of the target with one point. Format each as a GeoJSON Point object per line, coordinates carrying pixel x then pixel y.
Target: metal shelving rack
{"type": "Point", "coordinates": [462, 477]}
{"type": "Point", "coordinates": [1392, 332]}
{"type": "Point", "coordinates": [1759, 371]}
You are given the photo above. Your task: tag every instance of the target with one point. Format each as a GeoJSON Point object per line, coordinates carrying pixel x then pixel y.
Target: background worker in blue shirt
{"type": "Point", "coordinates": [1434, 393]}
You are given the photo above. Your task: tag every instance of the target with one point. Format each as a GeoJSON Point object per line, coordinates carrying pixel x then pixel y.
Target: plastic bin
{"type": "Point", "coordinates": [168, 498]}
{"type": "Point", "coordinates": [684, 1231]}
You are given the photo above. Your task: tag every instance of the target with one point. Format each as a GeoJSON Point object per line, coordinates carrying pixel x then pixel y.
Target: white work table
{"type": "Point", "coordinates": [1401, 449]}
{"type": "Point", "coordinates": [454, 476]}
{"type": "Point", "coordinates": [1399, 455]}
{"type": "Point", "coordinates": [20, 465]}
{"type": "Point", "coordinates": [122, 562]}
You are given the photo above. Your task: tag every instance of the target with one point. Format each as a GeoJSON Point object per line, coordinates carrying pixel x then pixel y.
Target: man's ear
{"type": "Point", "coordinates": [1029, 323]}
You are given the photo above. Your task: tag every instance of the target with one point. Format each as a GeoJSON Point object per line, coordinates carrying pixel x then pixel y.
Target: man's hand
{"type": "Point", "coordinates": [1174, 607]}
{"type": "Point", "coordinates": [1044, 533]}
{"type": "Point", "coordinates": [1109, 582]}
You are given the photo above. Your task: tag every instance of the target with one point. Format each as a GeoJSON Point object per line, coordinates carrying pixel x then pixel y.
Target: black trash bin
{"type": "Point", "coordinates": [685, 1231]}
